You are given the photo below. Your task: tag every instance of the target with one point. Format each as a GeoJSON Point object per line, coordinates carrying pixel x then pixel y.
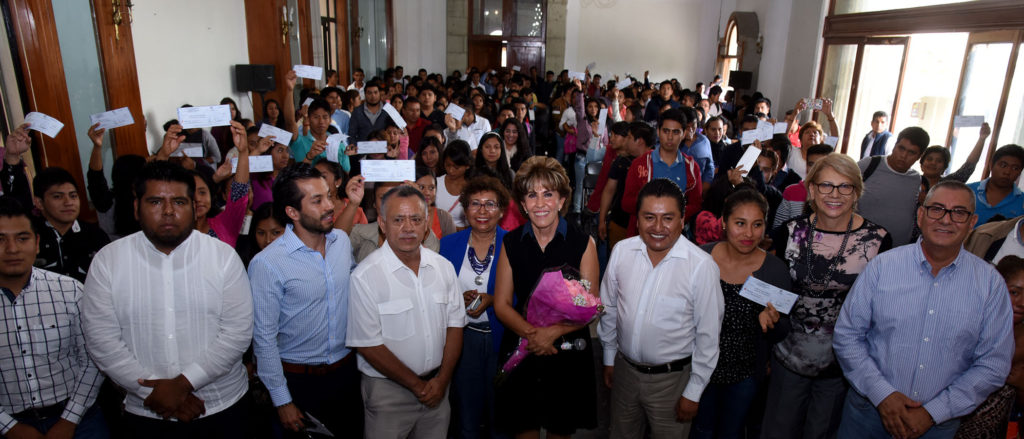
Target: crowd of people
{"type": "Point", "coordinates": [810, 296]}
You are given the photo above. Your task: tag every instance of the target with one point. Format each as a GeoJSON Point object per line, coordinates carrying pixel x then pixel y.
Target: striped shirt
{"type": "Point", "coordinates": [42, 353]}
{"type": "Point", "coordinates": [301, 306]}
{"type": "Point", "coordinates": [151, 315]}
{"type": "Point", "coordinates": [944, 340]}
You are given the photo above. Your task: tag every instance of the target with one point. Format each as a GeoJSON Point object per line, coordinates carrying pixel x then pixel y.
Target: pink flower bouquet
{"type": "Point", "coordinates": [558, 298]}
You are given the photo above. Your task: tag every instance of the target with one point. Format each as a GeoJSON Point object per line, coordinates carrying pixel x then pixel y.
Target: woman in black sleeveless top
{"type": "Point", "coordinates": [553, 388]}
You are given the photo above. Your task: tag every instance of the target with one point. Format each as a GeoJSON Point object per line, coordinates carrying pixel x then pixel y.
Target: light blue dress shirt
{"type": "Point", "coordinates": [300, 302]}
{"type": "Point", "coordinates": [945, 341]}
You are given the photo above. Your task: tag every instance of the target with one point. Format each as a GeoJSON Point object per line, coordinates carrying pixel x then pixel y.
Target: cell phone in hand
{"type": "Point", "coordinates": [475, 303]}
{"type": "Point", "coordinates": [817, 104]}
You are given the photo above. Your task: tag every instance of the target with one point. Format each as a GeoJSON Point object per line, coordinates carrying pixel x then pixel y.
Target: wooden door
{"type": "Point", "coordinates": [526, 54]}
{"type": "Point", "coordinates": [484, 54]}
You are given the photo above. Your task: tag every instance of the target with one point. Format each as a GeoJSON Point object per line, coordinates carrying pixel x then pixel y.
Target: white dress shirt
{"type": "Point", "coordinates": [151, 315]}
{"type": "Point", "coordinates": [410, 315]}
{"type": "Point", "coordinates": [656, 315]}
{"type": "Point", "coordinates": [1012, 245]}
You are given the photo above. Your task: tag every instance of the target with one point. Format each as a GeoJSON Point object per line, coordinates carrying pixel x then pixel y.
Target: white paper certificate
{"type": "Point", "coordinates": [762, 292]}
{"type": "Point", "coordinates": [624, 84]}
{"type": "Point", "coordinates": [832, 141]}
{"type": "Point", "coordinates": [748, 137]}
{"type": "Point", "coordinates": [388, 170]}
{"type": "Point", "coordinates": [43, 123]}
{"type": "Point", "coordinates": [456, 111]}
{"type": "Point", "coordinates": [202, 117]}
{"type": "Point", "coordinates": [306, 102]}
{"type": "Point", "coordinates": [257, 163]}
{"type": "Point", "coordinates": [309, 72]}
{"type": "Point", "coordinates": [333, 149]}
{"type": "Point", "coordinates": [578, 75]}
{"type": "Point", "coordinates": [749, 159]}
{"type": "Point", "coordinates": [968, 121]}
{"type": "Point", "coordinates": [765, 130]}
{"type": "Point", "coordinates": [194, 150]}
{"type": "Point", "coordinates": [393, 114]}
{"type": "Point", "coordinates": [280, 136]}
{"type": "Point", "coordinates": [372, 147]}
{"type": "Point", "coordinates": [113, 118]}
{"type": "Point", "coordinates": [602, 121]}
{"type": "Point", "coordinates": [781, 127]}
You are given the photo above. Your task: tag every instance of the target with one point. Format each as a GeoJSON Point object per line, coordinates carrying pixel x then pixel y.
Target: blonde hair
{"type": "Point", "coordinates": [543, 171]}
{"type": "Point", "coordinates": [843, 165]}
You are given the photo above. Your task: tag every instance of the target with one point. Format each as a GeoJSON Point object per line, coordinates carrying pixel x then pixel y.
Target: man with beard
{"type": "Point", "coordinates": [368, 117]}
{"type": "Point", "coordinates": [167, 315]}
{"type": "Point", "coordinates": [300, 296]}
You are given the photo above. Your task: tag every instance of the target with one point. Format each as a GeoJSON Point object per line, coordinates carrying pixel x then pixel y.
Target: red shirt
{"type": "Point", "coordinates": [416, 134]}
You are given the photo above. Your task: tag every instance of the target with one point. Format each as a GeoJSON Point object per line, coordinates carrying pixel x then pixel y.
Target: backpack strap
{"type": "Point", "coordinates": [875, 160]}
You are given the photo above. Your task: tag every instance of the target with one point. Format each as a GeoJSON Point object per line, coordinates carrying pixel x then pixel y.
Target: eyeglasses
{"type": "Point", "coordinates": [826, 188]}
{"type": "Point", "coordinates": [936, 212]}
{"type": "Point", "coordinates": [488, 205]}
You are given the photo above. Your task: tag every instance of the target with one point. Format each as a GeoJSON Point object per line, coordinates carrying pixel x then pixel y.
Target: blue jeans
{"type": "Point", "coordinates": [861, 420]}
{"type": "Point", "coordinates": [560, 149]}
{"type": "Point", "coordinates": [91, 426]}
{"type": "Point", "coordinates": [473, 385]}
{"type": "Point", "coordinates": [592, 155]}
{"type": "Point", "coordinates": [722, 409]}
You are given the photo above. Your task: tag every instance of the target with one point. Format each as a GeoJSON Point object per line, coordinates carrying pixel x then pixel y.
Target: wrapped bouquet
{"type": "Point", "coordinates": [559, 297]}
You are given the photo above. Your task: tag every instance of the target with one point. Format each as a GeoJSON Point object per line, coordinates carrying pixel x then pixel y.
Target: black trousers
{"type": "Point", "coordinates": [229, 423]}
{"type": "Point", "coordinates": [334, 399]}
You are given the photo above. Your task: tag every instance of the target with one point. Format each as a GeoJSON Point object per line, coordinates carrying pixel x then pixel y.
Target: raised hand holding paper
{"type": "Point", "coordinates": [280, 136]}
{"type": "Point", "coordinates": [781, 127]}
{"type": "Point", "coordinates": [257, 163]}
{"type": "Point", "coordinates": [393, 114]}
{"type": "Point", "coordinates": [517, 68]}
{"type": "Point", "coordinates": [762, 292]}
{"type": "Point", "coordinates": [388, 170]}
{"type": "Point", "coordinates": [456, 111]}
{"type": "Point", "coordinates": [602, 119]}
{"type": "Point", "coordinates": [309, 72]}
{"type": "Point", "coordinates": [624, 84]}
{"type": "Point", "coordinates": [202, 117]}
{"type": "Point", "coordinates": [306, 102]}
{"type": "Point", "coordinates": [590, 67]}
{"type": "Point", "coordinates": [372, 147]}
{"type": "Point", "coordinates": [578, 75]}
{"type": "Point", "coordinates": [749, 159]}
{"type": "Point", "coordinates": [43, 123]}
{"type": "Point", "coordinates": [333, 148]}
{"type": "Point", "coordinates": [113, 118]}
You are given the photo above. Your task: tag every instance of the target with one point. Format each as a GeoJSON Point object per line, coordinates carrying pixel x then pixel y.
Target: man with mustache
{"type": "Point", "coordinates": [167, 315]}
{"type": "Point", "coordinates": [405, 319]}
{"type": "Point", "coordinates": [300, 296]}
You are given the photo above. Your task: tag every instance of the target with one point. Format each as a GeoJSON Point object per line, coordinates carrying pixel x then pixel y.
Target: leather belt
{"type": "Point", "coordinates": [430, 375]}
{"type": "Point", "coordinates": [317, 369]}
{"type": "Point", "coordinates": [40, 413]}
{"type": "Point", "coordinates": [674, 366]}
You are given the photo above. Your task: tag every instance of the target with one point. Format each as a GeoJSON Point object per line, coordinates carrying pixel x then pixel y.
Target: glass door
{"type": "Point", "coordinates": [861, 76]}
{"type": "Point", "coordinates": [373, 37]}
{"type": "Point", "coordinates": [988, 69]}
